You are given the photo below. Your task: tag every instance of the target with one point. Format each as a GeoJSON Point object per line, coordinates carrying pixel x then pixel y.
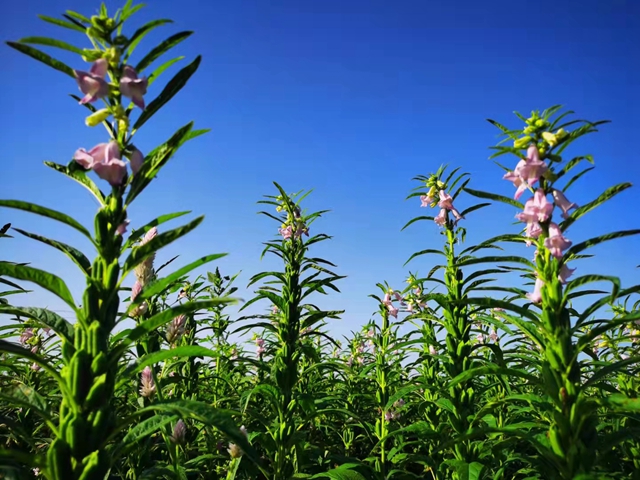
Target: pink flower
{"type": "Point", "coordinates": [556, 242]}
{"type": "Point", "coordinates": [446, 202]}
{"type": "Point", "coordinates": [536, 295]}
{"type": "Point", "coordinates": [147, 385]}
{"type": "Point", "coordinates": [426, 200]}
{"type": "Point", "coordinates": [562, 203]}
{"type": "Point", "coordinates": [286, 232]}
{"type": "Point", "coordinates": [494, 336]}
{"type": "Point", "coordinates": [150, 235]}
{"type": "Point", "coordinates": [536, 209]}
{"type": "Point", "coordinates": [387, 298]}
{"type": "Point", "coordinates": [432, 350]}
{"type": "Point", "coordinates": [176, 328]}
{"type": "Point", "coordinates": [565, 273]}
{"type": "Point", "coordinates": [122, 228]}
{"type": "Point", "coordinates": [112, 169]}
{"type": "Point", "coordinates": [92, 83]}
{"type": "Point", "coordinates": [179, 433]}
{"type": "Point", "coordinates": [533, 168]}
{"type": "Point", "coordinates": [136, 290]}
{"type": "Point", "coordinates": [481, 338]}
{"type": "Point", "coordinates": [518, 182]}
{"type": "Point", "coordinates": [260, 342]}
{"type": "Point", "coordinates": [26, 334]}
{"type": "Point", "coordinates": [533, 230]}
{"type": "Point", "coordinates": [441, 218]}
{"type": "Point", "coordinates": [527, 172]}
{"type": "Point", "coordinates": [133, 87]}
{"type": "Point", "coordinates": [136, 160]}
{"type": "Point", "coordinates": [87, 159]}
{"type": "Point", "coordinates": [393, 311]}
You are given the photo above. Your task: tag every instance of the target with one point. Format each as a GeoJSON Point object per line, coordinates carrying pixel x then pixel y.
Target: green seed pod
{"type": "Point", "coordinates": [59, 459]}
{"type": "Point", "coordinates": [81, 376]}
{"type": "Point", "coordinates": [67, 349]}
{"type": "Point", "coordinates": [96, 394]}
{"type": "Point", "coordinates": [555, 441]}
{"type": "Point", "coordinates": [99, 364]}
{"type": "Point", "coordinates": [76, 436]}
{"type": "Point", "coordinates": [93, 466]}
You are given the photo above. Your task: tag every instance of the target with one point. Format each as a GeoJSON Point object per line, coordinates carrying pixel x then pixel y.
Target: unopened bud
{"type": "Point", "coordinates": [550, 138]}
{"type": "Point", "coordinates": [97, 117]}
{"type": "Point", "coordinates": [522, 142]}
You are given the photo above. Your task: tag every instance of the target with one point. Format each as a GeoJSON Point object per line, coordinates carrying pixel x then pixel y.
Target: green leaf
{"type": "Point", "coordinates": [158, 71]}
{"type": "Point", "coordinates": [495, 197]}
{"type": "Point", "coordinates": [79, 176]}
{"type": "Point", "coordinates": [579, 247]}
{"type": "Point", "coordinates": [491, 369]}
{"type": "Point", "coordinates": [165, 46]}
{"type": "Point", "coordinates": [183, 351]}
{"type": "Point", "coordinates": [45, 317]}
{"type": "Point", "coordinates": [169, 91]}
{"type": "Point", "coordinates": [157, 158]}
{"type": "Point", "coordinates": [42, 57]}
{"type": "Point", "coordinates": [46, 280]}
{"type": "Point", "coordinates": [417, 219]}
{"type": "Point", "coordinates": [51, 42]}
{"type": "Point", "coordinates": [158, 286]}
{"type": "Point", "coordinates": [622, 403]}
{"type": "Point", "coordinates": [581, 211]}
{"type": "Point", "coordinates": [73, 253]}
{"type": "Point", "coordinates": [140, 232]}
{"type": "Point", "coordinates": [139, 34]}
{"type": "Point", "coordinates": [204, 413]}
{"type": "Point", "coordinates": [141, 431]}
{"type": "Point", "coordinates": [424, 252]}
{"type": "Point", "coordinates": [160, 319]}
{"type": "Point", "coordinates": [341, 474]}
{"type": "Point", "coordinates": [140, 253]}
{"type": "Point", "coordinates": [62, 23]}
{"type": "Point", "coordinates": [46, 212]}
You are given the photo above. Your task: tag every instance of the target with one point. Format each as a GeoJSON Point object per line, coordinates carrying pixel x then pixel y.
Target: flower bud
{"type": "Point", "coordinates": [550, 138]}
{"type": "Point", "coordinates": [97, 117]}
{"type": "Point", "coordinates": [540, 123]}
{"type": "Point", "coordinates": [522, 142]}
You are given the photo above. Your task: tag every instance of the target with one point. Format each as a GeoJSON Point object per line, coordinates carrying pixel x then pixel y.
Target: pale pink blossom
{"type": "Point", "coordinates": [93, 83]}
{"type": "Point", "coordinates": [441, 218]}
{"type": "Point", "coordinates": [426, 200]}
{"type": "Point", "coordinates": [179, 433]}
{"type": "Point", "coordinates": [122, 228]}
{"type": "Point", "coordinates": [87, 159]}
{"type": "Point", "coordinates": [286, 232]}
{"type": "Point", "coordinates": [26, 335]}
{"type": "Point", "coordinates": [556, 242]}
{"type": "Point", "coordinates": [136, 159]}
{"type": "Point", "coordinates": [494, 336]}
{"type": "Point", "coordinates": [432, 350]}
{"type": "Point", "coordinates": [147, 385]}
{"type": "Point", "coordinates": [176, 328]}
{"type": "Point", "coordinates": [563, 203]}
{"type": "Point", "coordinates": [393, 311]}
{"type": "Point", "coordinates": [536, 209]}
{"type": "Point", "coordinates": [527, 172]}
{"type": "Point", "coordinates": [536, 295]}
{"type": "Point", "coordinates": [133, 87]}
{"type": "Point", "coordinates": [446, 202]}
{"type": "Point", "coordinates": [112, 168]}
{"type": "Point", "coordinates": [565, 273]}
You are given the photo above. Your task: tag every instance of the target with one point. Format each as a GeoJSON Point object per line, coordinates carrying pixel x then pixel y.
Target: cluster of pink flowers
{"type": "Point", "coordinates": [538, 211]}
{"type": "Point", "coordinates": [106, 158]}
{"type": "Point", "coordinates": [393, 414]}
{"type": "Point", "coordinates": [287, 231]}
{"type": "Point", "coordinates": [147, 385]}
{"type": "Point", "coordinates": [388, 300]}
{"type": "Point", "coordinates": [260, 348]}
{"type": "Point", "coordinates": [493, 337]}
{"type": "Point", "coordinates": [94, 84]}
{"type": "Point", "coordinates": [445, 203]}
{"type": "Point", "coordinates": [176, 329]}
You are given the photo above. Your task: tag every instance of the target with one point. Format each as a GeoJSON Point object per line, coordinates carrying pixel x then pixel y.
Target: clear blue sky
{"type": "Point", "coordinates": [351, 98]}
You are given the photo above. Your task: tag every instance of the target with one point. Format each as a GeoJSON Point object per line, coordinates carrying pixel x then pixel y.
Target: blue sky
{"type": "Point", "coordinates": [352, 99]}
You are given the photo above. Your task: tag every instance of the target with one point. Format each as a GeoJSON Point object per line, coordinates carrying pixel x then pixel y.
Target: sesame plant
{"type": "Point", "coordinates": [87, 367]}
{"type": "Point", "coordinates": [507, 360]}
